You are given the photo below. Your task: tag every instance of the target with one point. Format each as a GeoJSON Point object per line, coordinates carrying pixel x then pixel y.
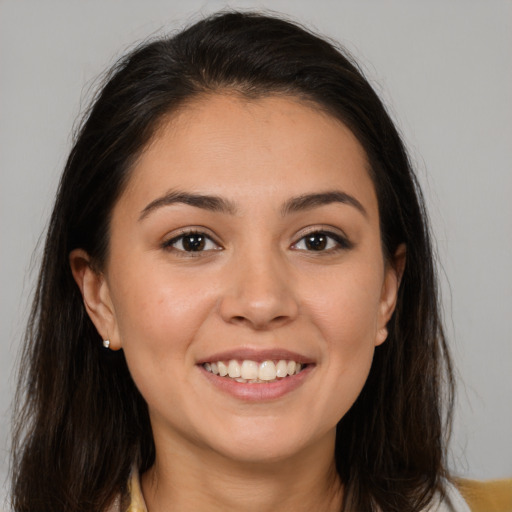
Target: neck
{"type": "Point", "coordinates": [191, 478]}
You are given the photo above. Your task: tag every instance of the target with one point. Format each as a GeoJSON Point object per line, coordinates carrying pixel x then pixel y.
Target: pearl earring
{"type": "Point", "coordinates": [106, 343]}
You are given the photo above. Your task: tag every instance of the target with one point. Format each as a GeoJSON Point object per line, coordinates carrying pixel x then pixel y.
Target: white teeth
{"type": "Point", "coordinates": [253, 372]}
{"type": "Point", "coordinates": [267, 370]}
{"type": "Point", "coordinates": [249, 370]}
{"type": "Point", "coordinates": [281, 368]}
{"type": "Point", "coordinates": [234, 369]}
{"type": "Point", "coordinates": [223, 369]}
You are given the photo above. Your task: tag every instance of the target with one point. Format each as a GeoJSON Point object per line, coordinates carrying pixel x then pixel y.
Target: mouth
{"type": "Point", "coordinates": [257, 375]}
{"type": "Point", "coordinates": [254, 372]}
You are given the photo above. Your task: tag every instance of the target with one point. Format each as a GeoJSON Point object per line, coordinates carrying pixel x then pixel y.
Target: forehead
{"type": "Point", "coordinates": [277, 146]}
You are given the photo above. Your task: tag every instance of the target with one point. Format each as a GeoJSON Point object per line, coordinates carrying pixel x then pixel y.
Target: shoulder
{"type": "Point", "coordinates": [476, 496]}
{"type": "Point", "coordinates": [451, 502]}
{"type": "Point", "coordinates": [487, 496]}
{"type": "Point", "coordinates": [131, 500]}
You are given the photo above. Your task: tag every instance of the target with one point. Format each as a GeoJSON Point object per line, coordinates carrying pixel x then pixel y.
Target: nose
{"type": "Point", "coordinates": [259, 293]}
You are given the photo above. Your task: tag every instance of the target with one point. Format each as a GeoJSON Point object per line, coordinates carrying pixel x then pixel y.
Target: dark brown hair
{"type": "Point", "coordinates": [80, 423]}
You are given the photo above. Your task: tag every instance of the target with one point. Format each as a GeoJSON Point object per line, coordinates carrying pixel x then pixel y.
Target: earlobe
{"type": "Point", "coordinates": [96, 296]}
{"type": "Point", "coordinates": [382, 335]}
{"type": "Point", "coordinates": [392, 279]}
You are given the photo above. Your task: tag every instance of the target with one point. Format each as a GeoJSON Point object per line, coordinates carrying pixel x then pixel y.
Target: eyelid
{"type": "Point", "coordinates": [172, 238]}
{"type": "Point", "coordinates": [335, 233]}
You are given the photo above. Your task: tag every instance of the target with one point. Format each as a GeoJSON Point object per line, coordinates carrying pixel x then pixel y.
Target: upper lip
{"type": "Point", "coordinates": [257, 355]}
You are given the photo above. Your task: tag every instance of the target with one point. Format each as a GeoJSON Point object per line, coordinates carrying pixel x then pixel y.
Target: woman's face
{"type": "Point", "coordinates": [247, 240]}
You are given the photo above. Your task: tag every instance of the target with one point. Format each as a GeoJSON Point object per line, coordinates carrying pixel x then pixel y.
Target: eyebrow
{"type": "Point", "coordinates": [221, 205]}
{"type": "Point", "coordinates": [206, 202]}
{"type": "Point", "coordinates": [310, 201]}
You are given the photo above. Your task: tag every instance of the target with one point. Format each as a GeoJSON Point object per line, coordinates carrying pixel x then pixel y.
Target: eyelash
{"type": "Point", "coordinates": [341, 242]}
{"type": "Point", "coordinates": [169, 244]}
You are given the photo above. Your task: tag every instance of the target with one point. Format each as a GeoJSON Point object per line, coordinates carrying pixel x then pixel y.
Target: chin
{"type": "Point", "coordinates": [260, 452]}
{"type": "Point", "coordinates": [263, 442]}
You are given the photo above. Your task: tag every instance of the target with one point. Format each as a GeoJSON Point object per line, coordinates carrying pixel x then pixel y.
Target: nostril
{"type": "Point", "coordinates": [260, 324]}
{"type": "Point", "coordinates": [279, 320]}
{"type": "Point", "coordinates": [258, 307]}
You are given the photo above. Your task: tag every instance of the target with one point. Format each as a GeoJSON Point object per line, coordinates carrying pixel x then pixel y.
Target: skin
{"type": "Point", "coordinates": [256, 285]}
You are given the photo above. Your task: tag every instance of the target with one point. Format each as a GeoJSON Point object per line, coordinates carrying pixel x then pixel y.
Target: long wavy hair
{"type": "Point", "coordinates": [79, 421]}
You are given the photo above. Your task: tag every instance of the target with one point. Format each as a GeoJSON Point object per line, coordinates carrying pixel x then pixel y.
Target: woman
{"type": "Point", "coordinates": [237, 303]}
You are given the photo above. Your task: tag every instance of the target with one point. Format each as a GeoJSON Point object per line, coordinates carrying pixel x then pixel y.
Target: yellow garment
{"type": "Point", "coordinates": [489, 496]}
{"type": "Point", "coordinates": [136, 499]}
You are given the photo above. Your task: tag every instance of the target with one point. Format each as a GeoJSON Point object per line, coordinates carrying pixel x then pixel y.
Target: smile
{"type": "Point", "coordinates": [249, 371]}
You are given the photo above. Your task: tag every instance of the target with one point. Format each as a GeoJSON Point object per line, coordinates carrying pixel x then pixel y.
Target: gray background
{"type": "Point", "coordinates": [444, 69]}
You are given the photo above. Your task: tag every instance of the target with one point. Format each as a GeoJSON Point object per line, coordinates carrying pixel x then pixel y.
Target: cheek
{"type": "Point", "coordinates": [346, 315]}
{"type": "Point", "coordinates": [158, 317]}
{"type": "Point", "coordinates": [345, 307]}
{"type": "Point", "coordinates": [157, 313]}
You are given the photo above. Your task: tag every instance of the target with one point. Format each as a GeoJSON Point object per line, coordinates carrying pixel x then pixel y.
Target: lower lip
{"type": "Point", "coordinates": [252, 392]}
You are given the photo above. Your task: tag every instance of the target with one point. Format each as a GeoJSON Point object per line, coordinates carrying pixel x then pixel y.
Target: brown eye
{"type": "Point", "coordinates": [322, 241]}
{"type": "Point", "coordinates": [316, 241]}
{"type": "Point", "coordinates": [194, 242]}
{"type": "Point", "coordinates": [191, 242]}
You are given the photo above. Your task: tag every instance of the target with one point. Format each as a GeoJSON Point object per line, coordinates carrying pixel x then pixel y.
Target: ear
{"type": "Point", "coordinates": [96, 296]}
{"type": "Point", "coordinates": [393, 273]}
